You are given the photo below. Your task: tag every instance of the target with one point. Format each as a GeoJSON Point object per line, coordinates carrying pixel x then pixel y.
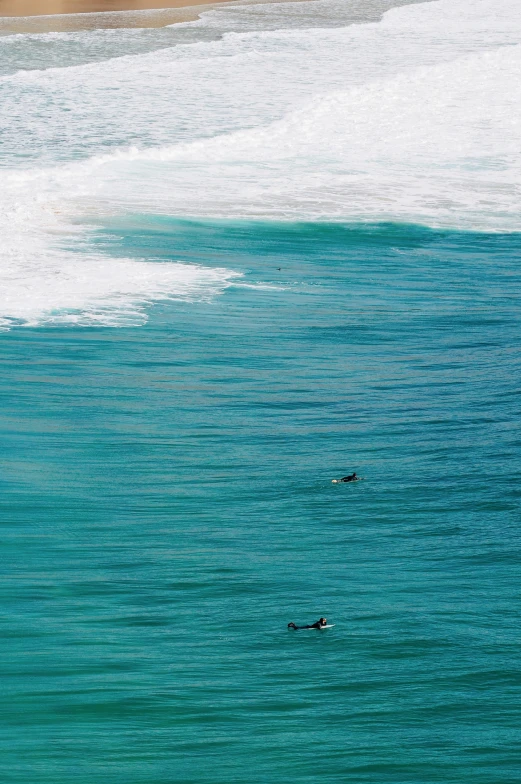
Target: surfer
{"type": "Point", "coordinates": [317, 625]}
{"type": "Point", "coordinates": [349, 478]}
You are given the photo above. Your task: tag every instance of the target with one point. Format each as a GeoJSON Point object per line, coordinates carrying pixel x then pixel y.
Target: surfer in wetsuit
{"type": "Point", "coordinates": [317, 625]}
{"type": "Point", "coordinates": [351, 478]}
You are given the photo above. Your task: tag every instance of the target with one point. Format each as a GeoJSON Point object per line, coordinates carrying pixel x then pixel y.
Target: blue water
{"type": "Point", "coordinates": [167, 508]}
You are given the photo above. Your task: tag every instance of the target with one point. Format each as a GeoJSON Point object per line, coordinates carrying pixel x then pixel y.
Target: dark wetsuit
{"type": "Point", "coordinates": [317, 625]}
{"type": "Point", "coordinates": [350, 478]}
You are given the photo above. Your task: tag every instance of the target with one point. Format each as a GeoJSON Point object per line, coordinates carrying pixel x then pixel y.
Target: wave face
{"type": "Point", "coordinates": [259, 112]}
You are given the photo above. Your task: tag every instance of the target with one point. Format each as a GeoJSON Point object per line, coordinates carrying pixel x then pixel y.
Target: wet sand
{"type": "Point", "coordinates": [46, 7]}
{"type": "Point", "coordinates": [38, 16]}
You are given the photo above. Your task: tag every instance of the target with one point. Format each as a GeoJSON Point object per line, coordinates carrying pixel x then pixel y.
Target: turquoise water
{"type": "Point", "coordinates": [218, 292]}
{"type": "Point", "coordinates": [167, 509]}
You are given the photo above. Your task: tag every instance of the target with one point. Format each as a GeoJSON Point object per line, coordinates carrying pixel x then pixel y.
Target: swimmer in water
{"type": "Point", "coordinates": [317, 625]}
{"type": "Point", "coordinates": [351, 478]}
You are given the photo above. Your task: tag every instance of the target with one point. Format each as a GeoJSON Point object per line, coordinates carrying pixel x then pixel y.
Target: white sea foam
{"type": "Point", "coordinates": [41, 283]}
{"type": "Point", "coordinates": [440, 146]}
{"type": "Point", "coordinates": [414, 118]}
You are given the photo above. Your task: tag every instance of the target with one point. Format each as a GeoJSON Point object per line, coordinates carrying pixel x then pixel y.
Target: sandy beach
{"type": "Point", "coordinates": [20, 16]}
{"type": "Point", "coordinates": [47, 7]}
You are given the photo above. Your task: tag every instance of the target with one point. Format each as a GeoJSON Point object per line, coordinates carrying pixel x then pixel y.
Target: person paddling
{"type": "Point", "coordinates": [317, 625]}
{"type": "Point", "coordinates": [349, 478]}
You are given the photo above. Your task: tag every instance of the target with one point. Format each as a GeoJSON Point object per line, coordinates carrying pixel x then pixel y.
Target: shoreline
{"type": "Point", "coordinates": [16, 15]}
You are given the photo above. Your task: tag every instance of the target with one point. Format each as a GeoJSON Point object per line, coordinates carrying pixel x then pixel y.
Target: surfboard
{"type": "Point", "coordinates": [327, 626]}
{"type": "Point", "coordinates": [339, 481]}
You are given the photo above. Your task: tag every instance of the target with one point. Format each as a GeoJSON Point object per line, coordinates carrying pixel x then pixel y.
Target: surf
{"type": "Point", "coordinates": [242, 127]}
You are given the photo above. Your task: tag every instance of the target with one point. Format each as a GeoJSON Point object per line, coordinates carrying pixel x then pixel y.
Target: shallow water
{"type": "Point", "coordinates": [240, 258]}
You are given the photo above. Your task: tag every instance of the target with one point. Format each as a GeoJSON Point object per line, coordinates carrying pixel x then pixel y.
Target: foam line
{"type": "Point", "coordinates": [415, 118]}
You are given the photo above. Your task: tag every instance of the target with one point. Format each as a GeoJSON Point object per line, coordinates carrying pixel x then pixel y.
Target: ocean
{"type": "Point", "coordinates": [242, 257]}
